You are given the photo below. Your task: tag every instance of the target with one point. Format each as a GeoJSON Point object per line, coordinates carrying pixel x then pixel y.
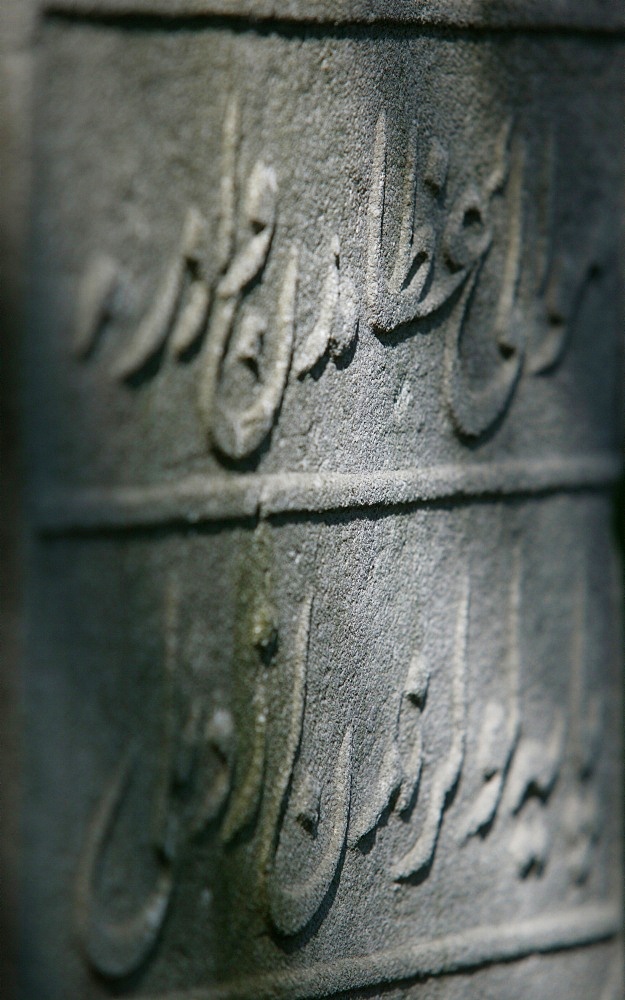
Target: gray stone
{"type": "Point", "coordinates": [15, 93]}
{"type": "Point", "coordinates": [324, 376]}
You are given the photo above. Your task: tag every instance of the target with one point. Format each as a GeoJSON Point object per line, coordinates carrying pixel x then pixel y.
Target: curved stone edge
{"type": "Point", "coordinates": [602, 15]}
{"type": "Point", "coordinates": [454, 953]}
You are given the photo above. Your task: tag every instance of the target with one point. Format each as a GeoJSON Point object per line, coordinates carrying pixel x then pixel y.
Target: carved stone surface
{"type": "Point", "coordinates": [325, 377]}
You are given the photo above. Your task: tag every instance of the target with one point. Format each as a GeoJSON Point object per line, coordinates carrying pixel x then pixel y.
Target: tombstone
{"type": "Point", "coordinates": [323, 380]}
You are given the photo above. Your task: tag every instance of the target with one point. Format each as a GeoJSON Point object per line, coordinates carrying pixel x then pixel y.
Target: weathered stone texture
{"type": "Point", "coordinates": [325, 376]}
{"type": "Point", "coordinates": [16, 21]}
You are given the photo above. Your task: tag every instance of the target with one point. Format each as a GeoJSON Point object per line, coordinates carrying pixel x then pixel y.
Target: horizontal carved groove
{"type": "Point", "coordinates": [453, 953]}
{"type": "Point", "coordinates": [502, 14]}
{"type": "Point", "coordinates": [201, 499]}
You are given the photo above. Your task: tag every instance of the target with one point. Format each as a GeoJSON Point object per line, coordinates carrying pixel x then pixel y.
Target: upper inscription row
{"type": "Point", "coordinates": [422, 279]}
